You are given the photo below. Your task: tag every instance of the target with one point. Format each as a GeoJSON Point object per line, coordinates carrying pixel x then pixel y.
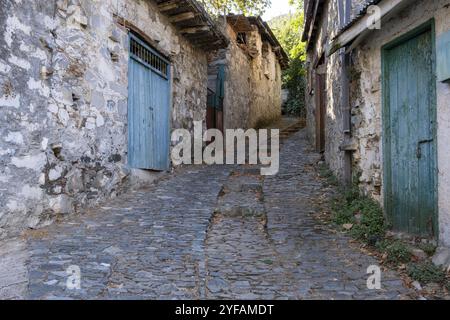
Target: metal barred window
{"type": "Point", "coordinates": [144, 54]}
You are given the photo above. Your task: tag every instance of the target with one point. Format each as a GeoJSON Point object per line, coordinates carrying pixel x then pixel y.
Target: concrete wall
{"type": "Point", "coordinates": [366, 101]}
{"type": "Point", "coordinates": [63, 102]}
{"type": "Point", "coordinates": [252, 83]}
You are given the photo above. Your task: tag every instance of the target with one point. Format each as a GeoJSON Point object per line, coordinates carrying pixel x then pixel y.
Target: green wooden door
{"type": "Point", "coordinates": [409, 135]}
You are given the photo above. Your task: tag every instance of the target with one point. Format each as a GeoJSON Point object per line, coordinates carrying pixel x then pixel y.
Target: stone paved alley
{"type": "Point", "coordinates": [202, 233]}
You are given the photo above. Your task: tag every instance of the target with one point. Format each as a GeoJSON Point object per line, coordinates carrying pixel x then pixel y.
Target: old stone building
{"type": "Point", "coordinates": [245, 78]}
{"type": "Point", "coordinates": [88, 93]}
{"type": "Point", "coordinates": [378, 103]}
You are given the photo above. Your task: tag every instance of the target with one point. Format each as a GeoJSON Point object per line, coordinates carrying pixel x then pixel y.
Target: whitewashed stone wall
{"type": "Point", "coordinates": [367, 104]}
{"type": "Point", "coordinates": [63, 102]}
{"type": "Point", "coordinates": [366, 101]}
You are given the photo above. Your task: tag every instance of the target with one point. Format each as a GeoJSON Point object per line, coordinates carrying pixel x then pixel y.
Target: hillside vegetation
{"type": "Point", "coordinates": [288, 29]}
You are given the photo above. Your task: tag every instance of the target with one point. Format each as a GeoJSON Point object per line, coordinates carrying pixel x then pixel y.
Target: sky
{"type": "Point", "coordinates": [278, 7]}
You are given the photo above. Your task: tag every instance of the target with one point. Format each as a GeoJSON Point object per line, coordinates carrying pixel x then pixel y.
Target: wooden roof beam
{"type": "Point", "coordinates": [167, 6]}
{"type": "Point", "coordinates": [182, 17]}
{"type": "Point", "coordinates": [194, 30]}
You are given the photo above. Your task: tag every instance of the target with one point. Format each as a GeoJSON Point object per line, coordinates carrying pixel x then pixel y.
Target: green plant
{"type": "Point", "coordinates": [294, 80]}
{"type": "Point", "coordinates": [426, 272]}
{"type": "Point", "coordinates": [326, 173]}
{"type": "Point", "coordinates": [351, 194]}
{"type": "Point", "coordinates": [287, 29]}
{"type": "Point", "coordinates": [247, 7]}
{"type": "Point", "coordinates": [351, 207]}
{"type": "Point", "coordinates": [371, 226]}
{"type": "Point", "coordinates": [295, 105]}
{"type": "Point", "coordinates": [428, 248]}
{"type": "Point", "coordinates": [397, 252]}
{"type": "Point", "coordinates": [344, 216]}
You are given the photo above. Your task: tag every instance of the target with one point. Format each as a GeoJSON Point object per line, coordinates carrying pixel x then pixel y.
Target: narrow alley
{"type": "Point", "coordinates": [117, 116]}
{"type": "Point", "coordinates": [220, 232]}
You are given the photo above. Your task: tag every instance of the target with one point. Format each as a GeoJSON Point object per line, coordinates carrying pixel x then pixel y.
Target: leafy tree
{"type": "Point", "coordinates": [247, 7]}
{"type": "Point", "coordinates": [288, 29]}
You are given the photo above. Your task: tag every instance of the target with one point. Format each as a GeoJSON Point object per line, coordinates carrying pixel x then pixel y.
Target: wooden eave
{"type": "Point", "coordinates": [194, 23]}
{"type": "Point", "coordinates": [314, 12]}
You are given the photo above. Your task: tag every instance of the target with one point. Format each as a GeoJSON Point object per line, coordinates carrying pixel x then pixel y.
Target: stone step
{"type": "Point", "coordinates": [291, 130]}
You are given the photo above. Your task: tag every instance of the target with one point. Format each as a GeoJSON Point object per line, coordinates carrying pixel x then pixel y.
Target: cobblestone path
{"type": "Point", "coordinates": [205, 233]}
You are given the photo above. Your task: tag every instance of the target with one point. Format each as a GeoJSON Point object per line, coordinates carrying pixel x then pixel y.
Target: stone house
{"type": "Point", "coordinates": [88, 93]}
{"type": "Point", "coordinates": [245, 79]}
{"type": "Point", "coordinates": [378, 103]}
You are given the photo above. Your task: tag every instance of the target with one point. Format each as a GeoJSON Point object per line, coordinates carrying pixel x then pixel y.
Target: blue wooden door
{"type": "Point", "coordinates": [148, 108]}
{"type": "Point", "coordinates": [409, 135]}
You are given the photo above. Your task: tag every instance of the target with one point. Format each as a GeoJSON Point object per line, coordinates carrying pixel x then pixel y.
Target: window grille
{"type": "Point", "coordinates": [144, 54]}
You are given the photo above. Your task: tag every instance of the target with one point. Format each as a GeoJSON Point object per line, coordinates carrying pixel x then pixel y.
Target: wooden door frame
{"type": "Point", "coordinates": [216, 106]}
{"type": "Point", "coordinates": [428, 26]}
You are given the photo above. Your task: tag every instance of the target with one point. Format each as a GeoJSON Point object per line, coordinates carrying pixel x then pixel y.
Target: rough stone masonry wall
{"type": "Point", "coordinates": [63, 102]}
{"type": "Point", "coordinates": [367, 104]}
{"type": "Point", "coordinates": [334, 136]}
{"type": "Point", "coordinates": [252, 82]}
{"type": "Point", "coordinates": [265, 82]}
{"type": "Point", "coordinates": [238, 86]}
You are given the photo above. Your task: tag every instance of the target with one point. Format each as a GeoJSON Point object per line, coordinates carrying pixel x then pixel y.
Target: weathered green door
{"type": "Point", "coordinates": [409, 134]}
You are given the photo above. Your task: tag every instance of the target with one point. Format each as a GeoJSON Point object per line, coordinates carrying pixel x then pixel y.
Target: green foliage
{"type": "Point", "coordinates": [344, 216]}
{"type": "Point", "coordinates": [294, 79]}
{"type": "Point", "coordinates": [288, 30]}
{"type": "Point", "coordinates": [366, 216]}
{"type": "Point", "coordinates": [327, 174]}
{"type": "Point", "coordinates": [426, 273]}
{"type": "Point", "coordinates": [396, 251]}
{"type": "Point", "coordinates": [364, 213]}
{"type": "Point", "coordinates": [372, 226]}
{"type": "Point", "coordinates": [224, 7]}
{"type": "Point", "coordinates": [428, 248]}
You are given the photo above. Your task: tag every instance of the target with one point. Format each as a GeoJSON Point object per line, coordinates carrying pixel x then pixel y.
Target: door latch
{"type": "Point", "coordinates": [419, 147]}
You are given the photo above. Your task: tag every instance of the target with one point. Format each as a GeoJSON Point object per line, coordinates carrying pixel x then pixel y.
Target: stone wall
{"type": "Point", "coordinates": [366, 101]}
{"type": "Point", "coordinates": [334, 135]}
{"type": "Point", "coordinates": [238, 85]}
{"type": "Point", "coordinates": [63, 102]}
{"type": "Point", "coordinates": [367, 104]}
{"type": "Point", "coordinates": [252, 82]}
{"type": "Point", "coordinates": [328, 27]}
{"type": "Point", "coordinates": [266, 82]}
